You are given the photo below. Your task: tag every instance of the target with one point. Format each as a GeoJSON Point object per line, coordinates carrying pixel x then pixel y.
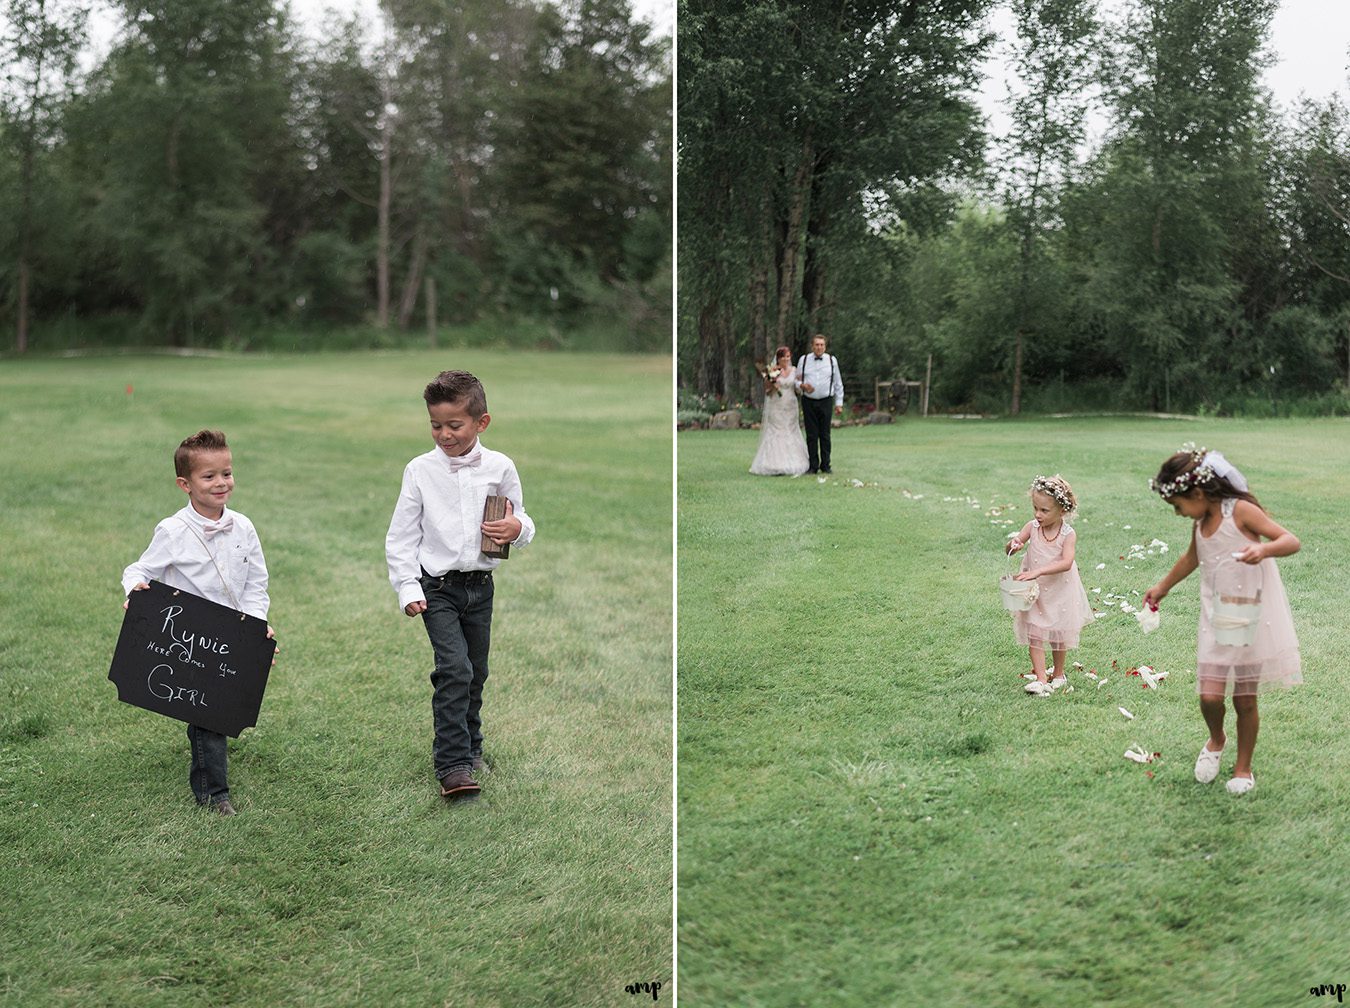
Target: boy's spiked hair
{"type": "Point", "coordinates": [203, 440]}
{"type": "Point", "coordinates": [457, 386]}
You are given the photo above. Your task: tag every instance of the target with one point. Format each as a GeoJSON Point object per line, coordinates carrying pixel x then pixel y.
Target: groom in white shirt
{"type": "Point", "coordinates": [821, 384]}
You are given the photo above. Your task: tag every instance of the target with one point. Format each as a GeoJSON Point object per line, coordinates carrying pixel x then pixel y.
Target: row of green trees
{"type": "Point", "coordinates": [218, 171]}
{"type": "Point", "coordinates": [1194, 252]}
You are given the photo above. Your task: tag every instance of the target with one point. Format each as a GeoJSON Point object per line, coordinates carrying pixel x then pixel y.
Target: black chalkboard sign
{"type": "Point", "coordinates": [192, 659]}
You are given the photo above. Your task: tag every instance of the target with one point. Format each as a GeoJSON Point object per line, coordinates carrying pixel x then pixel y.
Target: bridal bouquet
{"type": "Point", "coordinates": [770, 375]}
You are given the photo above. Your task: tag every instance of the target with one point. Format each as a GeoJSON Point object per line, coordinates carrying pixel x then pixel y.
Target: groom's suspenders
{"type": "Point", "coordinates": [834, 370]}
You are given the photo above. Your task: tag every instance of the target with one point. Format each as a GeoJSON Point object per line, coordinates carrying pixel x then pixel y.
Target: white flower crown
{"type": "Point", "coordinates": [1053, 486]}
{"type": "Point", "coordinates": [1184, 482]}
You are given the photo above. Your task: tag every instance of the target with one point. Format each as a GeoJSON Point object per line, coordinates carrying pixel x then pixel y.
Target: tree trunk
{"type": "Point", "coordinates": [408, 301]}
{"type": "Point", "coordinates": [25, 230]}
{"type": "Point", "coordinates": [708, 378]}
{"type": "Point", "coordinates": [383, 208]}
{"type": "Point", "coordinates": [761, 265]}
{"type": "Point", "coordinates": [21, 337]}
{"type": "Point", "coordinates": [789, 274]}
{"type": "Point", "coordinates": [814, 292]}
{"type": "Point", "coordinates": [1017, 373]}
{"type": "Point", "coordinates": [26, 198]}
{"type": "Point", "coordinates": [731, 383]}
{"type": "Point", "coordinates": [814, 275]}
{"type": "Point", "coordinates": [431, 311]}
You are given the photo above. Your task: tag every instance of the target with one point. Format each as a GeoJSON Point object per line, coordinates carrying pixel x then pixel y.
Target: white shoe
{"type": "Point", "coordinates": [1038, 688]}
{"type": "Point", "coordinates": [1207, 764]}
{"type": "Point", "coordinates": [1241, 785]}
{"type": "Point", "coordinates": [1058, 681]}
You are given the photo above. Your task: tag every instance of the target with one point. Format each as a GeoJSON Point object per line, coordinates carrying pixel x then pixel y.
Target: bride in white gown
{"type": "Point", "coordinates": [782, 448]}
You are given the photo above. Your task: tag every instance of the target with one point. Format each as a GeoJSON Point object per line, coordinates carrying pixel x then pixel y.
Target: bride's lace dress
{"type": "Point", "coordinates": [782, 448]}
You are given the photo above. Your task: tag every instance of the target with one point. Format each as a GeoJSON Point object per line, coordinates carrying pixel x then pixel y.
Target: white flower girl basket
{"type": "Point", "coordinates": [1018, 596]}
{"type": "Point", "coordinates": [1235, 613]}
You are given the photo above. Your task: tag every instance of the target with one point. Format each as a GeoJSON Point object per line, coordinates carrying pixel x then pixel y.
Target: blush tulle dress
{"type": "Point", "coordinates": [1271, 660]}
{"type": "Point", "coordinates": [1061, 609]}
{"type": "Point", "coordinates": [782, 447]}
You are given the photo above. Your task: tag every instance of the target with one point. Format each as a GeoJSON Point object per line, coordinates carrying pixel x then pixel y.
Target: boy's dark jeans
{"type": "Point", "coordinates": [209, 765]}
{"type": "Point", "coordinates": [458, 619]}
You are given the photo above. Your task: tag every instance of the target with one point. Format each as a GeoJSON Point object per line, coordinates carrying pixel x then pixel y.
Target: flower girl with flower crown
{"type": "Point", "coordinates": [1061, 608]}
{"type": "Point", "coordinates": [1246, 642]}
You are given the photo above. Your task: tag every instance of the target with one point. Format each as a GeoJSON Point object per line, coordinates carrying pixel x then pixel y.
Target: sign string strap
{"type": "Point", "coordinates": [201, 539]}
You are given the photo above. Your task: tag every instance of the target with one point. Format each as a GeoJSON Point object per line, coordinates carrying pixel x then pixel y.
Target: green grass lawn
{"type": "Point", "coordinates": [345, 879]}
{"type": "Point", "coordinates": [872, 812]}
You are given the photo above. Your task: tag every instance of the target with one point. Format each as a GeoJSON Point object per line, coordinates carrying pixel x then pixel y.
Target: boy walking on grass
{"type": "Point", "coordinates": [440, 572]}
{"type": "Point", "coordinates": [213, 552]}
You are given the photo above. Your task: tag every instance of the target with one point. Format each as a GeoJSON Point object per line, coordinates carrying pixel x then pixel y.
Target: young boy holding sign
{"type": "Point", "coordinates": [213, 552]}
{"type": "Point", "coordinates": [439, 569]}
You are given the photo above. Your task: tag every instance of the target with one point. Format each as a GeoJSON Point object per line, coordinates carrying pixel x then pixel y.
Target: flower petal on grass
{"type": "Point", "coordinates": [1126, 713]}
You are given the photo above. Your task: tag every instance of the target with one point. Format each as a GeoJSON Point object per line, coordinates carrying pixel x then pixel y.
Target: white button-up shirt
{"type": "Point", "coordinates": [178, 558]}
{"type": "Point", "coordinates": [437, 522]}
{"type": "Point", "coordinates": [823, 376]}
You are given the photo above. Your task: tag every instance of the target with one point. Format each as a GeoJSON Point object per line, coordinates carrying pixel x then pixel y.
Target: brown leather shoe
{"type": "Point", "coordinates": [223, 807]}
{"type": "Point", "coordinates": [458, 784]}
{"type": "Point", "coordinates": [480, 765]}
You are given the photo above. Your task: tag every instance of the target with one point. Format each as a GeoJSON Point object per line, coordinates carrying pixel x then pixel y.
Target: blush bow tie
{"type": "Point", "coordinates": [209, 529]}
{"type": "Point", "coordinates": [469, 461]}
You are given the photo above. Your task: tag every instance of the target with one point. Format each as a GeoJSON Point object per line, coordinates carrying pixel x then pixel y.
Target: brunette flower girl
{"type": "Point", "coordinates": [1246, 643]}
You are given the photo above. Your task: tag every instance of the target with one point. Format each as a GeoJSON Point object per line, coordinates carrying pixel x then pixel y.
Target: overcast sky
{"type": "Point", "coordinates": [659, 13]}
{"type": "Point", "coordinates": [1310, 40]}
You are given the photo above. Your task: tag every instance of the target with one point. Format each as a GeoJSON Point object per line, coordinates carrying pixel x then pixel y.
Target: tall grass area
{"type": "Point", "coordinates": [345, 879]}
{"type": "Point", "coordinates": [615, 333]}
{"type": "Point", "coordinates": [873, 812]}
{"type": "Point", "coordinates": [1257, 401]}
